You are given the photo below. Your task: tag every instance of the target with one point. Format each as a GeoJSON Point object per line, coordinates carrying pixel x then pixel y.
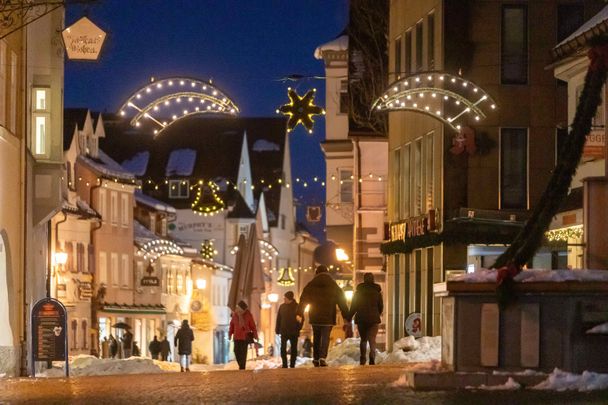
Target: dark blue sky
{"type": "Point", "coordinates": [245, 46]}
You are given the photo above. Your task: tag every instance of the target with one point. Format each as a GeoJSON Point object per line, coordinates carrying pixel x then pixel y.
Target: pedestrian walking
{"type": "Point", "coordinates": [183, 342]}
{"type": "Point", "coordinates": [165, 349]}
{"type": "Point", "coordinates": [288, 326]}
{"type": "Point", "coordinates": [322, 294]}
{"type": "Point", "coordinates": [113, 346]}
{"type": "Point", "coordinates": [154, 348]}
{"type": "Point", "coordinates": [127, 344]}
{"type": "Point", "coordinates": [367, 308]}
{"type": "Point", "coordinates": [242, 328]}
{"type": "Point", "coordinates": [105, 348]}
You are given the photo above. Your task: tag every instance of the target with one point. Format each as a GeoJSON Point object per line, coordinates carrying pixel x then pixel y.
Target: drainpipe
{"type": "Point", "coordinates": [94, 300]}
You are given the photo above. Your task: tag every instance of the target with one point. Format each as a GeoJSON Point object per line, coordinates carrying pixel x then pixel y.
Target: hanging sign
{"type": "Point", "coordinates": [413, 325]}
{"type": "Point", "coordinates": [49, 337]}
{"type": "Point", "coordinates": [83, 40]}
{"type": "Point", "coordinates": [313, 213]}
{"type": "Point", "coordinates": [414, 226]}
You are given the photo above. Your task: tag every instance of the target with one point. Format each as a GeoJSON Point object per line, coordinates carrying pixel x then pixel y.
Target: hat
{"type": "Point", "coordinates": [242, 305]}
{"type": "Point", "coordinates": [321, 269]}
{"type": "Point", "coordinates": [289, 295]}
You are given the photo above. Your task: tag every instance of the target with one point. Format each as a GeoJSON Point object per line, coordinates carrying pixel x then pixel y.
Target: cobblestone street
{"type": "Point", "coordinates": [339, 385]}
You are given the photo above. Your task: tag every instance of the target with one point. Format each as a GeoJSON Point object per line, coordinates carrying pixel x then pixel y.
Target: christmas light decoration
{"type": "Point", "coordinates": [161, 99]}
{"type": "Point", "coordinates": [300, 109]}
{"type": "Point", "coordinates": [159, 247]}
{"type": "Point", "coordinates": [563, 234]}
{"type": "Point", "coordinates": [208, 250]}
{"type": "Point", "coordinates": [286, 278]}
{"type": "Point", "coordinates": [207, 202]}
{"type": "Point", "coordinates": [459, 98]}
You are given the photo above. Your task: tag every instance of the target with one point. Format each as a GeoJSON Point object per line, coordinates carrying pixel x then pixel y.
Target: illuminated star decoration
{"type": "Point", "coordinates": [300, 109]}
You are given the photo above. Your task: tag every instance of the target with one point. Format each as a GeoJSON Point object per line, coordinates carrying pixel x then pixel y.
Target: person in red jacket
{"type": "Point", "coordinates": [242, 327]}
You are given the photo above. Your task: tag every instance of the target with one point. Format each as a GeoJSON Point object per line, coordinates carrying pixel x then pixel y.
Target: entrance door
{"type": "Point", "coordinates": [6, 337]}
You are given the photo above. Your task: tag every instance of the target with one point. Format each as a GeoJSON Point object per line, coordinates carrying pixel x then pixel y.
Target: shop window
{"type": "Point", "coordinates": [346, 186]}
{"type": "Point", "coordinates": [513, 168]}
{"type": "Point", "coordinates": [514, 44]}
{"type": "Point", "coordinates": [41, 122]}
{"type": "Point", "coordinates": [179, 188]}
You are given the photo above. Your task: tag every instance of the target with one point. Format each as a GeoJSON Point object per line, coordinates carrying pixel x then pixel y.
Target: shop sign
{"type": "Point", "coordinates": [61, 290]}
{"type": "Point", "coordinates": [413, 325]}
{"type": "Point", "coordinates": [49, 334]}
{"type": "Point", "coordinates": [85, 290]}
{"type": "Point", "coordinates": [415, 226]}
{"type": "Point", "coordinates": [83, 40]}
{"type": "Point", "coordinates": [594, 145]}
{"type": "Point", "coordinates": [149, 281]}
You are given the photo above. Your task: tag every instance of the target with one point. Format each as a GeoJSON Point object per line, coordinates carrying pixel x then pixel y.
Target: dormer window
{"type": "Point", "coordinates": [179, 188]}
{"type": "Point", "coordinates": [41, 122]}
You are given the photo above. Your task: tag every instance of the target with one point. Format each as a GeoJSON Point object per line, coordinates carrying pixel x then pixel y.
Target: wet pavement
{"type": "Point", "coordinates": [332, 385]}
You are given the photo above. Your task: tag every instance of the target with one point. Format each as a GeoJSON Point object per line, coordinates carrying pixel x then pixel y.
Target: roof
{"type": "Point", "coordinates": [80, 209]}
{"type": "Point", "coordinates": [216, 145]}
{"type": "Point", "coordinates": [595, 27]}
{"type": "Point", "coordinates": [148, 201]}
{"type": "Point", "coordinates": [181, 162]}
{"type": "Point", "coordinates": [106, 167]}
{"type": "Point", "coordinates": [335, 45]}
{"type": "Point", "coordinates": [72, 117]}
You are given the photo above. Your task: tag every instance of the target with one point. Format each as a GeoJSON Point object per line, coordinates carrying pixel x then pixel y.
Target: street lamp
{"type": "Point", "coordinates": [201, 283]}
{"type": "Point", "coordinates": [60, 258]}
{"type": "Point", "coordinates": [341, 255]}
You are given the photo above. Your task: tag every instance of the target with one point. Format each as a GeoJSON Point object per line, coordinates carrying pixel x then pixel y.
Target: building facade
{"type": "Point", "coordinates": [461, 186]}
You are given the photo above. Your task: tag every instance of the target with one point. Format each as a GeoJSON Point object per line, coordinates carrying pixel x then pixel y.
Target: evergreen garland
{"type": "Point", "coordinates": [529, 239]}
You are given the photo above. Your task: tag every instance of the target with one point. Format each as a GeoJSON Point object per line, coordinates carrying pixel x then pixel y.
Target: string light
{"type": "Point", "coordinates": [208, 250]}
{"type": "Point", "coordinates": [563, 234]}
{"type": "Point", "coordinates": [159, 247]}
{"type": "Point", "coordinates": [207, 208]}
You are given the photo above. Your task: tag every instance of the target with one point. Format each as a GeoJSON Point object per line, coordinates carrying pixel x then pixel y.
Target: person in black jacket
{"type": "Point", "coordinates": [288, 327]}
{"type": "Point", "coordinates": [322, 294]}
{"type": "Point", "coordinates": [154, 348]}
{"type": "Point", "coordinates": [367, 308]}
{"type": "Point", "coordinates": [184, 336]}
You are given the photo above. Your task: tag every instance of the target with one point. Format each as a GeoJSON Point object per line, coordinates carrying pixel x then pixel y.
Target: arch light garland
{"type": "Point", "coordinates": [446, 97]}
{"type": "Point", "coordinates": [165, 101]}
{"type": "Point", "coordinates": [159, 247]}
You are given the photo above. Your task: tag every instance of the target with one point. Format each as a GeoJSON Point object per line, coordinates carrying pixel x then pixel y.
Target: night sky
{"type": "Point", "coordinates": [245, 46]}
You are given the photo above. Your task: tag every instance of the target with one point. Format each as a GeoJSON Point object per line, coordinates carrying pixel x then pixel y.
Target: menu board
{"type": "Point", "coordinates": [49, 330]}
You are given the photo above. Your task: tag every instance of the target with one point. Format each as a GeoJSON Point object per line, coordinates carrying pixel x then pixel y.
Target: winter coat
{"type": "Point", "coordinates": [323, 294]}
{"type": "Point", "coordinates": [154, 347]}
{"type": "Point", "coordinates": [367, 304]}
{"type": "Point", "coordinates": [287, 324]}
{"type": "Point", "coordinates": [183, 340]}
{"type": "Point", "coordinates": [165, 348]}
{"type": "Point", "coordinates": [240, 331]}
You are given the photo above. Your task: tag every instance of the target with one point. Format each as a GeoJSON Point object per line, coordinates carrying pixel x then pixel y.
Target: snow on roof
{"type": "Point", "coordinates": [152, 202]}
{"type": "Point", "coordinates": [338, 44]}
{"type": "Point", "coordinates": [106, 166]}
{"type": "Point", "coordinates": [588, 26]}
{"type": "Point", "coordinates": [141, 234]}
{"type": "Point", "coordinates": [138, 163]}
{"type": "Point", "coordinates": [181, 162]}
{"type": "Point", "coordinates": [262, 145]}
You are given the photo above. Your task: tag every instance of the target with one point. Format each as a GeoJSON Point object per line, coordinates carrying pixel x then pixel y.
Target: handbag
{"type": "Point", "coordinates": [250, 337]}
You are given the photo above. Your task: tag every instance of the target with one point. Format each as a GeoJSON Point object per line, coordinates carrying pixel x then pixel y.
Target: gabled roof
{"type": "Point", "coordinates": [107, 168]}
{"type": "Point", "coordinates": [72, 117]}
{"type": "Point", "coordinates": [340, 43]}
{"type": "Point", "coordinates": [217, 143]}
{"type": "Point", "coordinates": [595, 27]}
{"type": "Point", "coordinates": [153, 203]}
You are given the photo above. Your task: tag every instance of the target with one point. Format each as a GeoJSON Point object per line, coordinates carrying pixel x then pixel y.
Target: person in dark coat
{"type": "Point", "coordinates": [113, 347]}
{"type": "Point", "coordinates": [165, 349]}
{"type": "Point", "coordinates": [367, 308]}
{"type": "Point", "coordinates": [288, 327]}
{"type": "Point", "coordinates": [242, 328]}
{"type": "Point", "coordinates": [322, 294]}
{"type": "Point", "coordinates": [127, 344]}
{"type": "Point", "coordinates": [154, 348]}
{"type": "Point", "coordinates": [183, 342]}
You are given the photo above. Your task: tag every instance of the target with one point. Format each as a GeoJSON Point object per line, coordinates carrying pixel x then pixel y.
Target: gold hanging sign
{"type": "Point", "coordinates": [83, 40]}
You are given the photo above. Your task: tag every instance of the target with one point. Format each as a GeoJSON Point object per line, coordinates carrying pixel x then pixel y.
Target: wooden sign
{"type": "Point", "coordinates": [83, 40]}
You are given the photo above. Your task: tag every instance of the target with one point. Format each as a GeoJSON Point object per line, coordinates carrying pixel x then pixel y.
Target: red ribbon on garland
{"type": "Point", "coordinates": [599, 57]}
{"type": "Point", "coordinates": [507, 272]}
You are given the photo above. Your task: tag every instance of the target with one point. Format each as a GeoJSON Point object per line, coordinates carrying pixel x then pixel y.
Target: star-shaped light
{"type": "Point", "coordinates": [300, 109]}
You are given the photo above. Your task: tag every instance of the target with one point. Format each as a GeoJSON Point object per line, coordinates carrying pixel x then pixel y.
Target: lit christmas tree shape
{"type": "Point", "coordinates": [300, 109]}
{"type": "Point", "coordinates": [208, 250]}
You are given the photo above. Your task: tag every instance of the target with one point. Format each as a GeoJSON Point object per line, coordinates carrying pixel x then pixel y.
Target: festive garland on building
{"type": "Point", "coordinates": [527, 242]}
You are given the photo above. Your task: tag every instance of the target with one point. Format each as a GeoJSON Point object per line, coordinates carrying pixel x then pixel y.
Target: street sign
{"type": "Point", "coordinates": [49, 332]}
{"type": "Point", "coordinates": [83, 40]}
{"type": "Point", "coordinates": [413, 325]}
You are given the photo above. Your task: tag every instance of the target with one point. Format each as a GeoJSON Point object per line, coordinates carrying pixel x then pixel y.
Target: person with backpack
{"type": "Point", "coordinates": [288, 326]}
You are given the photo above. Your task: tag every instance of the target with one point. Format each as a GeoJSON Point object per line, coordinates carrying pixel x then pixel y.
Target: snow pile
{"type": "Point", "coordinates": [511, 384]}
{"type": "Point", "coordinates": [524, 373]}
{"type": "Point", "coordinates": [560, 380]}
{"type": "Point", "coordinates": [600, 329]}
{"type": "Point", "coordinates": [534, 276]}
{"type": "Point", "coordinates": [85, 365]}
{"type": "Point", "coordinates": [345, 353]}
{"type": "Point", "coordinates": [411, 350]}
{"type": "Point", "coordinates": [267, 362]}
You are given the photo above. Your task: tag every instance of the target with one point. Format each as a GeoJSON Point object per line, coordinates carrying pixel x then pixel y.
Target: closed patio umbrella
{"type": "Point", "coordinates": [237, 285]}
